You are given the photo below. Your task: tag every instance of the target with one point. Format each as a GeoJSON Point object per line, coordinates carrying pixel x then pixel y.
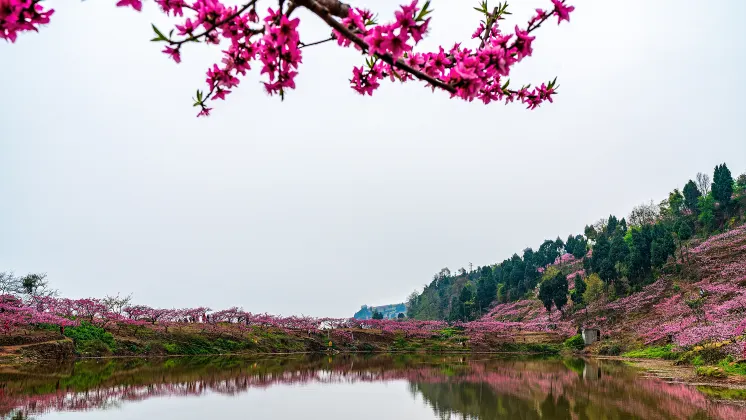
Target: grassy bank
{"type": "Point", "coordinates": [87, 340]}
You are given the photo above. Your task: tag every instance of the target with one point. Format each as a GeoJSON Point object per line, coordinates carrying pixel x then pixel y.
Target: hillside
{"type": "Point", "coordinates": [672, 273]}
{"type": "Point", "coordinates": [387, 311]}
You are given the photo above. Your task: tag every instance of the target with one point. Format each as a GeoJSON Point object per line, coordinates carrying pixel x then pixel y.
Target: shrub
{"type": "Point", "coordinates": [575, 342]}
{"type": "Point", "coordinates": [711, 372]}
{"type": "Point", "coordinates": [171, 348]}
{"type": "Point", "coordinates": [89, 338]}
{"type": "Point", "coordinates": [610, 350]}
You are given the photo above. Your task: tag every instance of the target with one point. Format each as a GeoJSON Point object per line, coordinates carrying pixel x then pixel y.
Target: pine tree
{"type": "Point", "coordinates": [722, 185]}
{"type": "Point", "coordinates": [691, 196]}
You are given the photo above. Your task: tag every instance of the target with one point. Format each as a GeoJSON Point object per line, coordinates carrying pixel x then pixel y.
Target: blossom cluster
{"type": "Point", "coordinates": [21, 15]}
{"type": "Point", "coordinates": [468, 73]}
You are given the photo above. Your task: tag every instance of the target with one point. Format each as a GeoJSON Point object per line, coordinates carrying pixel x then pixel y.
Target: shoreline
{"type": "Point", "coordinates": [668, 371]}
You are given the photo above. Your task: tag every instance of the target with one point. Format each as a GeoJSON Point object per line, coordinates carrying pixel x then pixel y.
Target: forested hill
{"type": "Point", "coordinates": [384, 312]}
{"type": "Point", "coordinates": [614, 257]}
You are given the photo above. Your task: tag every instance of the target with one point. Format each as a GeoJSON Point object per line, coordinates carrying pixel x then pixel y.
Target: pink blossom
{"type": "Point", "coordinates": [173, 53]}
{"type": "Point", "coordinates": [561, 11]}
{"type": "Point", "coordinates": [135, 4]}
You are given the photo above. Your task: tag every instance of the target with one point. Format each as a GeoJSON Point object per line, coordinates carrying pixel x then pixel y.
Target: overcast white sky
{"type": "Point", "coordinates": [330, 200]}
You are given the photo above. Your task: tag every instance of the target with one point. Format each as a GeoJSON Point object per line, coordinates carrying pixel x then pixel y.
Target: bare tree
{"type": "Point", "coordinates": [36, 285]}
{"type": "Point", "coordinates": [644, 214]}
{"type": "Point", "coordinates": [10, 284]}
{"type": "Point", "coordinates": [703, 183]}
{"type": "Point", "coordinates": [600, 225]}
{"type": "Point", "coordinates": [116, 304]}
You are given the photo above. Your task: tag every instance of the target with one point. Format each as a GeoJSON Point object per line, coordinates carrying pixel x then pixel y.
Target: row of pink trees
{"type": "Point", "coordinates": [269, 38]}
{"type": "Point", "coordinates": [19, 314]}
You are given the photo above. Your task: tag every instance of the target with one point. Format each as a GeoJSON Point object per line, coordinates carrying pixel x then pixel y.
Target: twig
{"type": "Point", "coordinates": [303, 45]}
{"type": "Point", "coordinates": [488, 30]}
{"type": "Point", "coordinates": [216, 25]}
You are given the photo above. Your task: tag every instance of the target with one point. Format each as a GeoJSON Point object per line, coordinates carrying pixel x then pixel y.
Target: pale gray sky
{"type": "Point", "coordinates": [330, 200]}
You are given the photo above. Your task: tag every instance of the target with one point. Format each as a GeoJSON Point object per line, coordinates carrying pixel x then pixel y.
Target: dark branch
{"type": "Point", "coordinates": [311, 44]}
{"type": "Point", "coordinates": [217, 25]}
{"type": "Point", "coordinates": [335, 7]}
{"type": "Point", "coordinates": [320, 11]}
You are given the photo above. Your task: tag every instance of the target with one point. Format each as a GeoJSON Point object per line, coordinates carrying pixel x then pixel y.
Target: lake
{"type": "Point", "coordinates": [359, 387]}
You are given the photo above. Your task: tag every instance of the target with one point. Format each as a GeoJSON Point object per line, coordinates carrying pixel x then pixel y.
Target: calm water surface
{"type": "Point", "coordinates": [355, 387]}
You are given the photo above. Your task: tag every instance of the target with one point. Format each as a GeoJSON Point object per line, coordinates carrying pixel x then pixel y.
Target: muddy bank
{"type": "Point", "coordinates": [670, 371]}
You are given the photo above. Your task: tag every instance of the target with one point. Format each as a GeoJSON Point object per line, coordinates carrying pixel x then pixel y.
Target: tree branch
{"type": "Point", "coordinates": [488, 30]}
{"type": "Point", "coordinates": [335, 7]}
{"type": "Point", "coordinates": [323, 13]}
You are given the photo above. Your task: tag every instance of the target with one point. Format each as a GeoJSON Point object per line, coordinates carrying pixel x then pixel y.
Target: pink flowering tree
{"type": "Point", "coordinates": [269, 37]}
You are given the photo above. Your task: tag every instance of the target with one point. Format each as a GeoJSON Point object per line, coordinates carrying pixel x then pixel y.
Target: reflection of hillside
{"type": "Point", "coordinates": [484, 389]}
{"type": "Point", "coordinates": [533, 390]}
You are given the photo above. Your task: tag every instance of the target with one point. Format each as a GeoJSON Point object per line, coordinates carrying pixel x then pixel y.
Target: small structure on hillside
{"type": "Point", "coordinates": [591, 335]}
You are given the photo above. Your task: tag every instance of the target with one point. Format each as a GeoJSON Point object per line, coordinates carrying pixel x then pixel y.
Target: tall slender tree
{"type": "Point", "coordinates": [691, 196]}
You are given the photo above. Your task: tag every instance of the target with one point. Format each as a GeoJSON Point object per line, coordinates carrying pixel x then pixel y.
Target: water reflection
{"type": "Point", "coordinates": [452, 386]}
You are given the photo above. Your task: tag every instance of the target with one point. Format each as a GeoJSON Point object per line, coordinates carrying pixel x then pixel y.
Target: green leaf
{"type": "Point", "coordinates": [160, 36]}
{"type": "Point", "coordinates": [423, 12]}
{"type": "Point", "coordinates": [505, 86]}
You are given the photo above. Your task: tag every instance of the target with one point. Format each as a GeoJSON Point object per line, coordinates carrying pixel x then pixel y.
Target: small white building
{"type": "Point", "coordinates": [591, 335]}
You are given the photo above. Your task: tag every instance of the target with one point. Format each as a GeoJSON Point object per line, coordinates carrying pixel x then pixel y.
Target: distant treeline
{"type": "Point", "coordinates": [393, 311]}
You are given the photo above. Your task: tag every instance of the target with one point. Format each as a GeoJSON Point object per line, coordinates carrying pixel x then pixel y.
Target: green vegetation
{"type": "Point", "coordinates": [575, 342]}
{"type": "Point", "coordinates": [711, 372]}
{"type": "Point", "coordinates": [729, 366]}
{"type": "Point", "coordinates": [529, 348]}
{"type": "Point", "coordinates": [91, 340]}
{"type": "Point", "coordinates": [659, 352]}
{"type": "Point", "coordinates": [610, 350]}
{"type": "Point", "coordinates": [722, 393]}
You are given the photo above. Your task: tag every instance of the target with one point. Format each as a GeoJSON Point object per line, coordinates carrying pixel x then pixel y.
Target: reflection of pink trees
{"type": "Point", "coordinates": [618, 392]}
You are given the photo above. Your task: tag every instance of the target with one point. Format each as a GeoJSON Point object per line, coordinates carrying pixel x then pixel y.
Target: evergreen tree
{"type": "Point", "coordinates": [675, 203]}
{"type": "Point", "coordinates": [553, 291]}
{"type": "Point", "coordinates": [706, 208]}
{"type": "Point", "coordinates": [612, 224]}
{"type": "Point", "coordinates": [639, 255]}
{"type": "Point", "coordinates": [741, 182]}
{"type": "Point", "coordinates": [590, 232]}
{"type": "Point", "coordinates": [600, 261]}
{"type": "Point", "coordinates": [559, 297]}
{"type": "Point", "coordinates": [722, 185]}
{"type": "Point", "coordinates": [684, 231]}
{"type": "Point", "coordinates": [691, 197]}
{"type": "Point", "coordinates": [531, 273]}
{"type": "Point", "coordinates": [546, 294]}
{"type": "Point", "coordinates": [486, 288]}
{"type": "Point", "coordinates": [578, 291]}
{"type": "Point", "coordinates": [662, 246]}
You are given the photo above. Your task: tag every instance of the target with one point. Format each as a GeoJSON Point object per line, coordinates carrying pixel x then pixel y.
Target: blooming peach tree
{"type": "Point", "coordinates": [271, 40]}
